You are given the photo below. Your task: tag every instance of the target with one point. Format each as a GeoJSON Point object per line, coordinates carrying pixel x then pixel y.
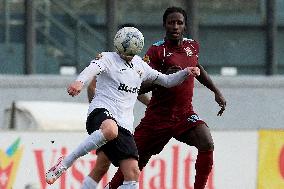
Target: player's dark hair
{"type": "Point", "coordinates": [127, 25]}
{"type": "Point", "coordinates": [171, 10]}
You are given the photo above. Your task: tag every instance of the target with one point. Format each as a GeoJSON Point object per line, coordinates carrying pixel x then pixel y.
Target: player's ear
{"type": "Point", "coordinates": [185, 28]}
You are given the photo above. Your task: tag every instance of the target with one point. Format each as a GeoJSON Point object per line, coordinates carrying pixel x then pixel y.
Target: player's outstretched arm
{"type": "Point", "coordinates": [91, 89]}
{"type": "Point", "coordinates": [205, 80]}
{"type": "Point", "coordinates": [174, 79]}
{"type": "Point", "coordinates": [86, 75]}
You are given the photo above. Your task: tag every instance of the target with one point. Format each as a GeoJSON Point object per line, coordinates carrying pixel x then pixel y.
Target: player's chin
{"type": "Point", "coordinates": [126, 57]}
{"type": "Point", "coordinates": [175, 37]}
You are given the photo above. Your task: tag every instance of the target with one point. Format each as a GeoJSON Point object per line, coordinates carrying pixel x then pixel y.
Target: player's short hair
{"type": "Point", "coordinates": [128, 25]}
{"type": "Point", "coordinates": [171, 10]}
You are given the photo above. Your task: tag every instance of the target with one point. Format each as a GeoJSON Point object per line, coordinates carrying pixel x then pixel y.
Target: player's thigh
{"type": "Point", "coordinates": [129, 169]}
{"type": "Point", "coordinates": [150, 139]}
{"type": "Point", "coordinates": [102, 161]}
{"type": "Point", "coordinates": [198, 136]}
{"type": "Point", "coordinates": [122, 147]}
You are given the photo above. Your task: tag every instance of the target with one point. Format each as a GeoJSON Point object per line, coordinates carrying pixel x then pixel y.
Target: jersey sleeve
{"type": "Point", "coordinates": [152, 57]}
{"type": "Point", "coordinates": [162, 79]}
{"type": "Point", "coordinates": [195, 45]}
{"type": "Point", "coordinates": [95, 67]}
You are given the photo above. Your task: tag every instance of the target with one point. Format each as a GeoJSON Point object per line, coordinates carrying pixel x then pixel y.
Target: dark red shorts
{"type": "Point", "coordinates": [153, 133]}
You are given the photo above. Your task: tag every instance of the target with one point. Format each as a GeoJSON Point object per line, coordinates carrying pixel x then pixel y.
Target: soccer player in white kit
{"type": "Point", "coordinates": [110, 114]}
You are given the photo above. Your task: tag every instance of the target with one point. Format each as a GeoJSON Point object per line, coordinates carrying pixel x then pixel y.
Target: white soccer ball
{"type": "Point", "coordinates": [128, 41]}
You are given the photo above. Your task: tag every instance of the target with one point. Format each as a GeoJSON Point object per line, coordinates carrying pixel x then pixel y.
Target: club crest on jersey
{"type": "Point", "coordinates": [188, 51]}
{"type": "Point", "coordinates": [146, 59]}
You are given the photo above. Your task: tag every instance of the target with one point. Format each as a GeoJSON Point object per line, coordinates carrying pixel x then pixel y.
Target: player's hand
{"type": "Point", "coordinates": [194, 71]}
{"type": "Point", "coordinates": [75, 88]}
{"type": "Point", "coordinates": [221, 102]}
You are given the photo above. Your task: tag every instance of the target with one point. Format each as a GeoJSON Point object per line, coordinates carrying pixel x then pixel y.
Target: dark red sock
{"type": "Point", "coordinates": [203, 166]}
{"type": "Point", "coordinates": [116, 180]}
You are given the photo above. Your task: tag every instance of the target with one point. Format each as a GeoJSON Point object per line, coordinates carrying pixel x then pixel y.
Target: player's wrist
{"type": "Point", "coordinates": [80, 82]}
{"type": "Point", "coordinates": [188, 71]}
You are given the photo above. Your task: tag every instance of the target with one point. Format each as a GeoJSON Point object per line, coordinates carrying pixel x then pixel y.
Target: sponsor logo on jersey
{"type": "Point", "coordinates": [9, 162]}
{"type": "Point", "coordinates": [169, 54]}
{"type": "Point", "coordinates": [188, 51]}
{"type": "Point", "coordinates": [126, 88]}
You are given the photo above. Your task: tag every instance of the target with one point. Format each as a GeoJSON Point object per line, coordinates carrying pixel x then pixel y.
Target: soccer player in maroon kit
{"type": "Point", "coordinates": [170, 113]}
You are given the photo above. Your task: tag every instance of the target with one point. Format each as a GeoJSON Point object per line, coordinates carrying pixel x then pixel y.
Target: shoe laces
{"type": "Point", "coordinates": [59, 167]}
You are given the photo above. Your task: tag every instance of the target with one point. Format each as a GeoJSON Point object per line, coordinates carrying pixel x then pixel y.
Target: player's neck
{"type": "Point", "coordinates": [127, 60]}
{"type": "Point", "coordinates": [175, 42]}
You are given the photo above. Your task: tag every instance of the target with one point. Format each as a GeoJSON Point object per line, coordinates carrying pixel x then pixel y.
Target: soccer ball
{"type": "Point", "coordinates": [128, 41]}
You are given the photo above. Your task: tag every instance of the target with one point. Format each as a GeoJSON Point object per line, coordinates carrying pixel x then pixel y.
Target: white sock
{"type": "Point", "coordinates": [92, 142]}
{"type": "Point", "coordinates": [129, 185]}
{"type": "Point", "coordinates": [89, 183]}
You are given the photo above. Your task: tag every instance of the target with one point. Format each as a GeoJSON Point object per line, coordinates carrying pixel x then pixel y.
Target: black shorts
{"type": "Point", "coordinates": [120, 148]}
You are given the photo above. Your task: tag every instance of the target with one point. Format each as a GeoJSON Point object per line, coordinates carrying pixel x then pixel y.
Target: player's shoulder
{"type": "Point", "coordinates": [105, 56]}
{"type": "Point", "coordinates": [109, 54]}
{"type": "Point", "coordinates": [189, 41]}
{"type": "Point", "coordinates": [138, 59]}
{"type": "Point", "coordinates": [156, 46]}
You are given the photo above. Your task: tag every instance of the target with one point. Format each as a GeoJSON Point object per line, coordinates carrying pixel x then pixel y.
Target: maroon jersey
{"type": "Point", "coordinates": [177, 100]}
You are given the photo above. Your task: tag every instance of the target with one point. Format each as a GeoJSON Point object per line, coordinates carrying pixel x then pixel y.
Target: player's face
{"type": "Point", "coordinates": [175, 26]}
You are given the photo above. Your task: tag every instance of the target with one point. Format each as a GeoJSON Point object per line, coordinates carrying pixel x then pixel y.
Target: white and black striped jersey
{"type": "Point", "coordinates": [118, 83]}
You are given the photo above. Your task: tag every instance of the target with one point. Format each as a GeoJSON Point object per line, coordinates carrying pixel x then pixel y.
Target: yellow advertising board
{"type": "Point", "coordinates": [271, 159]}
{"type": "Point", "coordinates": [9, 162]}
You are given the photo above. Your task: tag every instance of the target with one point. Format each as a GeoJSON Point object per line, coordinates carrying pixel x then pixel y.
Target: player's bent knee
{"type": "Point", "coordinates": [109, 129]}
{"type": "Point", "coordinates": [133, 174]}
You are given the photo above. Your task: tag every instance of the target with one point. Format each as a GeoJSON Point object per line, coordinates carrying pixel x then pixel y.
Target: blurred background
{"type": "Point", "coordinates": [44, 44]}
{"type": "Point", "coordinates": [42, 36]}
